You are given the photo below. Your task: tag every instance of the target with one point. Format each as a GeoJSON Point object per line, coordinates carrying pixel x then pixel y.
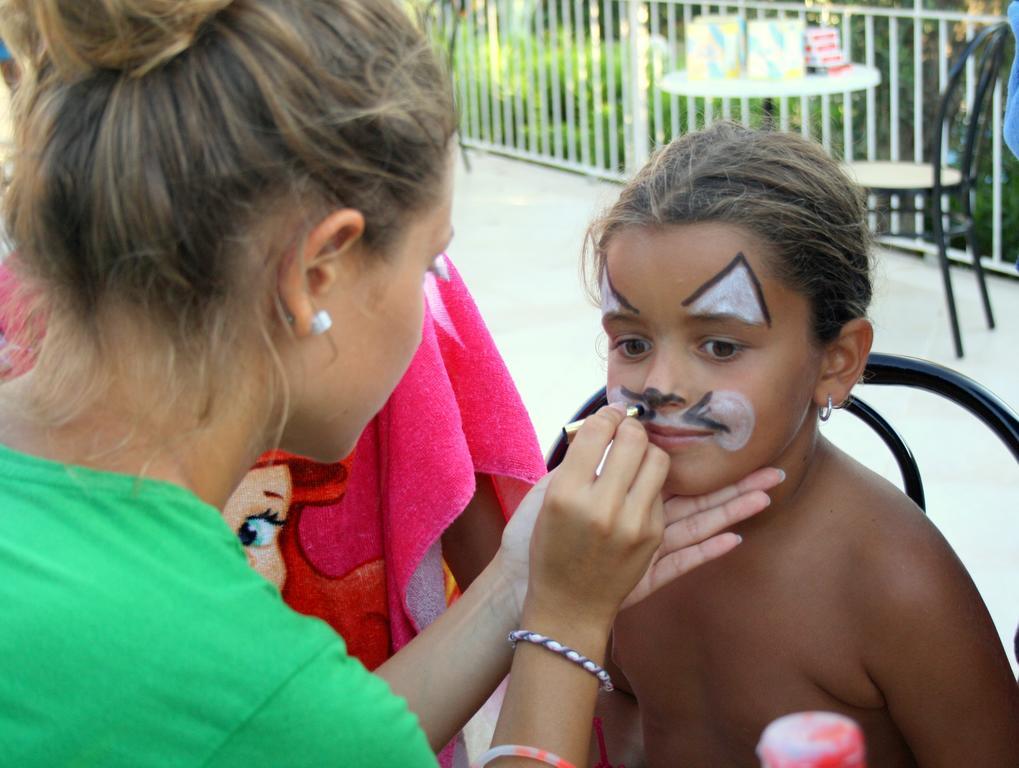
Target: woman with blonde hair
{"type": "Point", "coordinates": [223, 213]}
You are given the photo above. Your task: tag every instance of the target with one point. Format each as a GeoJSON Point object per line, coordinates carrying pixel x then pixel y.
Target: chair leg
{"type": "Point", "coordinates": [978, 267]}
{"type": "Point", "coordinates": [939, 238]}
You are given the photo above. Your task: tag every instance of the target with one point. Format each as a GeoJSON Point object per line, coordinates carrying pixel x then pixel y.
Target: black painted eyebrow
{"type": "Point", "coordinates": [723, 317]}
{"type": "Point", "coordinates": [738, 260]}
{"type": "Point", "coordinates": [623, 301]}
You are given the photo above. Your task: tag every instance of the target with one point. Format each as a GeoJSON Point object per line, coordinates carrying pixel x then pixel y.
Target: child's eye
{"type": "Point", "coordinates": [260, 530]}
{"type": "Point", "coordinates": [439, 268]}
{"type": "Point", "coordinates": [633, 348]}
{"type": "Point", "coordinates": [722, 350]}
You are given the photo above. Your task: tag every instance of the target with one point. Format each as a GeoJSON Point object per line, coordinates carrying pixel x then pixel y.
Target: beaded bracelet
{"type": "Point", "coordinates": [568, 653]}
{"type": "Point", "coordinates": [516, 750]}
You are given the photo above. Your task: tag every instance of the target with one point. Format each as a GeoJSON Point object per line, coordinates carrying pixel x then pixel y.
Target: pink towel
{"type": "Point", "coordinates": [455, 413]}
{"type": "Point", "coordinates": [15, 327]}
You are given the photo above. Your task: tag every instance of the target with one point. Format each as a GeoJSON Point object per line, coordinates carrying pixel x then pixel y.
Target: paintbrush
{"type": "Point", "coordinates": [570, 430]}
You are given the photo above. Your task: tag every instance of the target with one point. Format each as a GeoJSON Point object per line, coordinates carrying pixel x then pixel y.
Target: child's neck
{"type": "Point", "coordinates": [803, 462]}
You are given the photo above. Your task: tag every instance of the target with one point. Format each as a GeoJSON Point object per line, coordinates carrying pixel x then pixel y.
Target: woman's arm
{"type": "Point", "coordinates": [448, 671]}
{"type": "Point", "coordinates": [590, 546]}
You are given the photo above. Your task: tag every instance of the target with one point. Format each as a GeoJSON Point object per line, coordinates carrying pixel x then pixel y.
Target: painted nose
{"type": "Point", "coordinates": [664, 388]}
{"type": "Point", "coordinates": [662, 402]}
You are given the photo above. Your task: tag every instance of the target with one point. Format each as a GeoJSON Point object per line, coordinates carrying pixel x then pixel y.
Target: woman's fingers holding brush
{"type": "Point", "coordinates": [589, 445]}
{"type": "Point", "coordinates": [626, 460]}
{"type": "Point", "coordinates": [597, 530]}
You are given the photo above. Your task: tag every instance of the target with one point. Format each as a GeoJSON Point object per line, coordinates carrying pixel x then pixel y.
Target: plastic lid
{"type": "Point", "coordinates": [812, 740]}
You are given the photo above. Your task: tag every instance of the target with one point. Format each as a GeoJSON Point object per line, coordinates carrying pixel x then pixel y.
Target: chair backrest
{"type": "Point", "coordinates": [892, 370]}
{"type": "Point", "coordinates": [985, 54]}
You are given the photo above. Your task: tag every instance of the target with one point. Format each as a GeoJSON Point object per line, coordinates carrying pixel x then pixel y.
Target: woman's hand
{"type": "Point", "coordinates": [691, 533]}
{"type": "Point", "coordinates": [591, 541]}
{"type": "Point", "coordinates": [515, 551]}
{"type": "Point", "coordinates": [597, 530]}
{"type": "Point", "coordinates": [692, 525]}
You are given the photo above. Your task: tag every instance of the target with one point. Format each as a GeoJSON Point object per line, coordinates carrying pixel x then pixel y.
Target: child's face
{"type": "Point", "coordinates": [719, 353]}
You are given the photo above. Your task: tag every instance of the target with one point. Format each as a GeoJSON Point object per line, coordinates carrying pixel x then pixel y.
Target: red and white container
{"type": "Point", "coordinates": [812, 740]}
{"type": "Point", "coordinates": [822, 51]}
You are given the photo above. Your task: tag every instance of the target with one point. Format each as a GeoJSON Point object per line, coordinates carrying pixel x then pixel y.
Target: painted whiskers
{"type": "Point", "coordinates": [727, 415]}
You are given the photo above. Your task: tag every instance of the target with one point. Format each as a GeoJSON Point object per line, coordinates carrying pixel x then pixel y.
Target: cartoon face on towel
{"type": "Point", "coordinates": [257, 511]}
{"type": "Point", "coordinates": [716, 349]}
{"type": "Point", "coordinates": [268, 510]}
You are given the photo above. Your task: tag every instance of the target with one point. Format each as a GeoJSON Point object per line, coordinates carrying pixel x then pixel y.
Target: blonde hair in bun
{"type": "Point", "coordinates": [168, 152]}
{"type": "Point", "coordinates": [132, 36]}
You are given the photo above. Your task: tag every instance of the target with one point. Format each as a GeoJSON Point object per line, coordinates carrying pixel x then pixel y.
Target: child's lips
{"type": "Point", "coordinates": [668, 438]}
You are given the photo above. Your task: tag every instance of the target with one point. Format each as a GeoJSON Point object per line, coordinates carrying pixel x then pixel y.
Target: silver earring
{"type": "Point", "coordinates": [321, 323]}
{"type": "Point", "coordinates": [825, 413]}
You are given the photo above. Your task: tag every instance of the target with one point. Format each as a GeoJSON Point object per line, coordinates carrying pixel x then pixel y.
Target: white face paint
{"type": "Point", "coordinates": [734, 291]}
{"type": "Point", "coordinates": [734, 411]}
{"type": "Point", "coordinates": [615, 395]}
{"type": "Point", "coordinates": [728, 414]}
{"type": "Point", "coordinates": [609, 302]}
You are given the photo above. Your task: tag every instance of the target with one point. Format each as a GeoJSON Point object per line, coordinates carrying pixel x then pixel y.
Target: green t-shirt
{"type": "Point", "coordinates": [134, 633]}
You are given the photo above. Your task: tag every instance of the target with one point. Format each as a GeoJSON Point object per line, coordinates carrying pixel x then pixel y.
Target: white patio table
{"type": "Point", "coordinates": [859, 77]}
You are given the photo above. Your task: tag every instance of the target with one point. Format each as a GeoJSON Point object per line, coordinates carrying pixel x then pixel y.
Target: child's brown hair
{"type": "Point", "coordinates": [782, 187]}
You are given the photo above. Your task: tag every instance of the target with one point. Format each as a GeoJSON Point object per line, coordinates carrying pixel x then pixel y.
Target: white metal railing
{"type": "Point", "coordinates": [571, 83]}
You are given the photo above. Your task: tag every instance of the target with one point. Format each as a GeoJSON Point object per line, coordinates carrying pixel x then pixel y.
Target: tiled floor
{"type": "Point", "coordinates": [519, 230]}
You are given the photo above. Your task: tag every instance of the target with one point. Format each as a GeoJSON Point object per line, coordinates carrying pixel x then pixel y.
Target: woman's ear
{"type": "Point", "coordinates": [312, 268]}
{"type": "Point", "coordinates": [843, 361]}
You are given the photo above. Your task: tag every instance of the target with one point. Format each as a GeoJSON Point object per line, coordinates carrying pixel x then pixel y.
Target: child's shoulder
{"type": "Point", "coordinates": [893, 555]}
{"type": "Point", "coordinates": [917, 624]}
{"type": "Point", "coordinates": [865, 497]}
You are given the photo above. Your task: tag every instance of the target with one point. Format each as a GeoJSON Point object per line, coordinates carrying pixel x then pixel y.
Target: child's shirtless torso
{"type": "Point", "coordinates": [784, 623]}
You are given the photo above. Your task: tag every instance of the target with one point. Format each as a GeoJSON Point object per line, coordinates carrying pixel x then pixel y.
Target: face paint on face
{"type": "Point", "coordinates": [652, 400]}
{"type": "Point", "coordinates": [727, 415]}
{"type": "Point", "coordinates": [612, 301]}
{"type": "Point", "coordinates": [734, 291]}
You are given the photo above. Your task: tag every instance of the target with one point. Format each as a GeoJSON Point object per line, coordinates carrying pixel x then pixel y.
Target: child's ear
{"type": "Point", "coordinates": [843, 361]}
{"type": "Point", "coordinates": [313, 268]}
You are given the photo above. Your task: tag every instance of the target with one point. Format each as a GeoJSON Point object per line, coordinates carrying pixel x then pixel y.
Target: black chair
{"type": "Point", "coordinates": [970, 121]}
{"type": "Point", "coordinates": [892, 370]}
